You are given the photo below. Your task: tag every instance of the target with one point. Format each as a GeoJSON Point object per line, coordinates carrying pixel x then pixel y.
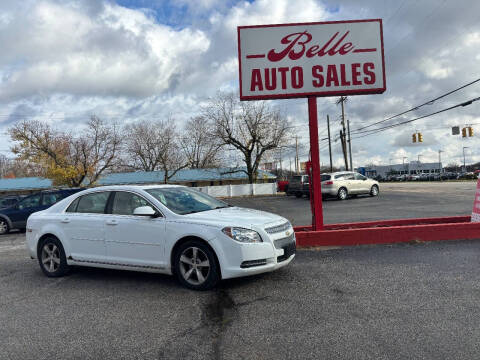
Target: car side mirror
{"type": "Point", "coordinates": [145, 211]}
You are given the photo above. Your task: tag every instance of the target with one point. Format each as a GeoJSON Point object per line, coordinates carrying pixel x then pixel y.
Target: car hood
{"type": "Point", "coordinates": [236, 216]}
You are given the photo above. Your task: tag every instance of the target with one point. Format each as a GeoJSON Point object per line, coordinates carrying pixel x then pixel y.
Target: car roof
{"type": "Point", "coordinates": [131, 187]}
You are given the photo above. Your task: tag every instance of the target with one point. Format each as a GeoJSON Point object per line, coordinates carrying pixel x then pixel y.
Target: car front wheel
{"type": "Point", "coordinates": [342, 194]}
{"type": "Point", "coordinates": [4, 229]}
{"type": "Point", "coordinates": [51, 258]}
{"type": "Point", "coordinates": [195, 266]}
{"type": "Point", "coordinates": [374, 190]}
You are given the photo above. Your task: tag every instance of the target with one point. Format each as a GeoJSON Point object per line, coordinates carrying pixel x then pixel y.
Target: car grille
{"type": "Point", "coordinates": [288, 245]}
{"type": "Point", "coordinates": [278, 228]}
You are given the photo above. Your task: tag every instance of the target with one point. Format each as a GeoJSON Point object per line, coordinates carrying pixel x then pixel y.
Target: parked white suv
{"type": "Point", "coordinates": [345, 183]}
{"type": "Point", "coordinates": [166, 229]}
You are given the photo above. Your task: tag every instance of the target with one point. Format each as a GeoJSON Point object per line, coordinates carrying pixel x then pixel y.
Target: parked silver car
{"type": "Point", "coordinates": [345, 183]}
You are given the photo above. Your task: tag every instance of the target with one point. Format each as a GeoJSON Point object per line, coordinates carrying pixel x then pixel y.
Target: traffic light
{"type": "Point", "coordinates": [470, 131]}
{"type": "Point", "coordinates": [414, 138]}
{"type": "Point", "coordinates": [464, 132]}
{"type": "Point", "coordinates": [420, 137]}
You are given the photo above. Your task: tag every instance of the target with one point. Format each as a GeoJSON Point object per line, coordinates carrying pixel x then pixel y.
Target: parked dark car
{"type": "Point", "coordinates": [299, 185]}
{"type": "Point", "coordinates": [8, 201]}
{"type": "Point", "coordinates": [15, 217]}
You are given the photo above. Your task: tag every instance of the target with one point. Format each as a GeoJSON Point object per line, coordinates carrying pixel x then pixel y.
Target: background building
{"type": "Point", "coordinates": [412, 167]}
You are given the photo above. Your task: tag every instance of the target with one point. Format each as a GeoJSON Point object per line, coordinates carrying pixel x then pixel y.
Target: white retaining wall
{"type": "Point", "coordinates": [239, 190]}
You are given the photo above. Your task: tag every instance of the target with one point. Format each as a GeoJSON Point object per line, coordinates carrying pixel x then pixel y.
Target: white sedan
{"type": "Point", "coordinates": [164, 228]}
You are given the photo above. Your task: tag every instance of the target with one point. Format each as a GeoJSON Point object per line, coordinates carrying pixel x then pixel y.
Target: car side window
{"type": "Point", "coordinates": [360, 177]}
{"type": "Point", "coordinates": [29, 202]}
{"type": "Point", "coordinates": [51, 198]}
{"type": "Point", "coordinates": [94, 203]}
{"type": "Point", "coordinates": [73, 206]}
{"type": "Point", "coordinates": [349, 177]}
{"type": "Point", "coordinates": [340, 177]}
{"type": "Point", "coordinates": [124, 203]}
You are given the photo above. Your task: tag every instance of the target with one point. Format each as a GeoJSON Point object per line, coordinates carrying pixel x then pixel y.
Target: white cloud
{"type": "Point", "coordinates": [63, 60]}
{"type": "Point", "coordinates": [120, 52]}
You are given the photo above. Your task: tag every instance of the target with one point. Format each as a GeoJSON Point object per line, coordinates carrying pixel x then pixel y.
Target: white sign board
{"type": "Point", "coordinates": [311, 59]}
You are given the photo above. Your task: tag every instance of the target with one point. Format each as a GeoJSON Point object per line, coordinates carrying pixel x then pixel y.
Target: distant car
{"type": "Point", "coordinates": [8, 201]}
{"type": "Point", "coordinates": [346, 183]}
{"type": "Point", "coordinates": [414, 177]}
{"type": "Point", "coordinates": [15, 216]}
{"type": "Point", "coordinates": [298, 186]}
{"type": "Point", "coordinates": [166, 229]}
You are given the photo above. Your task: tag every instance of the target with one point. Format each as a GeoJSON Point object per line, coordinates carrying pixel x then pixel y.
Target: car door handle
{"type": "Point", "coordinates": [112, 222]}
{"type": "Point", "coordinates": [65, 220]}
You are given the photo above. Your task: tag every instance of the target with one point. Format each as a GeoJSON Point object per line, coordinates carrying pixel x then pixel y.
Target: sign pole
{"type": "Point", "coordinates": [317, 211]}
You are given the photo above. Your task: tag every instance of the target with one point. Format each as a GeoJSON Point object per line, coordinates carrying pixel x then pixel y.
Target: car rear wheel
{"type": "Point", "coordinates": [195, 266]}
{"type": "Point", "coordinates": [342, 194]}
{"type": "Point", "coordinates": [374, 190]}
{"type": "Point", "coordinates": [51, 258]}
{"type": "Point", "coordinates": [4, 229]}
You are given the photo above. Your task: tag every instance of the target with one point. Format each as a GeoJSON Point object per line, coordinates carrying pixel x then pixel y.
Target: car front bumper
{"type": "Point", "coordinates": [243, 259]}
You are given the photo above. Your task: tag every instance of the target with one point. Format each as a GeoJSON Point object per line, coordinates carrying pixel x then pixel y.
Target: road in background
{"type": "Point", "coordinates": [395, 201]}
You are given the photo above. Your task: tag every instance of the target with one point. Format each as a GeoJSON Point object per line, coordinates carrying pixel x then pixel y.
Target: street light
{"type": "Point", "coordinates": [403, 162]}
{"type": "Point", "coordinates": [440, 161]}
{"type": "Point", "coordinates": [464, 167]}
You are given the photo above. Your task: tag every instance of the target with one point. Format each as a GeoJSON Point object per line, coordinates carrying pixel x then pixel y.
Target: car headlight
{"type": "Point", "coordinates": [242, 235]}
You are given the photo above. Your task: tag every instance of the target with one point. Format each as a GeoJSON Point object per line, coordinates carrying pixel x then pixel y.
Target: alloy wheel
{"type": "Point", "coordinates": [194, 265]}
{"type": "Point", "coordinates": [50, 257]}
{"type": "Point", "coordinates": [3, 227]}
{"type": "Point", "coordinates": [374, 191]}
{"type": "Point", "coordinates": [342, 194]}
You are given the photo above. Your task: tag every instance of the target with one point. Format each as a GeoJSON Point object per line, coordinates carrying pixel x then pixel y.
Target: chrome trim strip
{"type": "Point", "coordinates": [117, 264]}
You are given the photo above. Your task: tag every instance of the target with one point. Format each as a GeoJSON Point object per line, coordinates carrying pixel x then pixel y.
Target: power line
{"type": "Point", "coordinates": [430, 102]}
{"type": "Point", "coordinates": [374, 131]}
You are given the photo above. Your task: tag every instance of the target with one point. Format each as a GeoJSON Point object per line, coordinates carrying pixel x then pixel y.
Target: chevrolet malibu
{"type": "Point", "coordinates": [164, 229]}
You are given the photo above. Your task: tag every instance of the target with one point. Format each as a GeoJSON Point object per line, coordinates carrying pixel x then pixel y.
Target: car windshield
{"type": "Point", "coordinates": [182, 200]}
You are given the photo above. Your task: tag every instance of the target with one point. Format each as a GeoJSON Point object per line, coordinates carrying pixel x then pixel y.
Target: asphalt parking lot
{"type": "Point", "coordinates": [415, 301]}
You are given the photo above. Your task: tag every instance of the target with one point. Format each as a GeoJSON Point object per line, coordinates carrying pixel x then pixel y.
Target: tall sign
{"type": "Point", "coordinates": [334, 58]}
{"type": "Point", "coordinates": [311, 59]}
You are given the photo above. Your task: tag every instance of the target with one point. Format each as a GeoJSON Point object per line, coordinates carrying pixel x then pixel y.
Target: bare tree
{"type": "Point", "coordinates": [66, 158]}
{"type": "Point", "coordinates": [200, 145]}
{"type": "Point", "coordinates": [253, 128]}
{"type": "Point", "coordinates": [5, 165]}
{"type": "Point", "coordinates": [155, 146]}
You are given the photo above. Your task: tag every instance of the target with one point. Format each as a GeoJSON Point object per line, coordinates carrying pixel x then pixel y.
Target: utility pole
{"type": "Point", "coordinates": [329, 143]}
{"type": "Point", "coordinates": [464, 166]}
{"type": "Point", "coordinates": [281, 171]}
{"type": "Point", "coordinates": [349, 145]}
{"type": "Point", "coordinates": [440, 160]}
{"type": "Point", "coordinates": [344, 131]}
{"type": "Point", "coordinates": [440, 163]}
{"type": "Point", "coordinates": [403, 162]}
{"type": "Point", "coordinates": [344, 149]}
{"type": "Point", "coordinates": [296, 154]}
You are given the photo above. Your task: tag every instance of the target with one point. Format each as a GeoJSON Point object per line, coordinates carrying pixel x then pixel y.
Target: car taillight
{"type": "Point", "coordinates": [328, 183]}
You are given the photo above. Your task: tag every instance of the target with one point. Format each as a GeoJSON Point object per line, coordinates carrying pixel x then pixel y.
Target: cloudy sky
{"type": "Point", "coordinates": [124, 60]}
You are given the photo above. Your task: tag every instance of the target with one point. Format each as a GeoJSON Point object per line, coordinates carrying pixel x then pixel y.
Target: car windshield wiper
{"type": "Point", "coordinates": [215, 208]}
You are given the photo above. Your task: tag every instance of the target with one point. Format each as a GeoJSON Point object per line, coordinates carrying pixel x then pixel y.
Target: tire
{"type": "Point", "coordinates": [196, 277]}
{"type": "Point", "coordinates": [374, 190]}
{"type": "Point", "coordinates": [51, 257]}
{"type": "Point", "coordinates": [342, 194]}
{"type": "Point", "coordinates": [298, 194]}
{"type": "Point", "coordinates": [4, 228]}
